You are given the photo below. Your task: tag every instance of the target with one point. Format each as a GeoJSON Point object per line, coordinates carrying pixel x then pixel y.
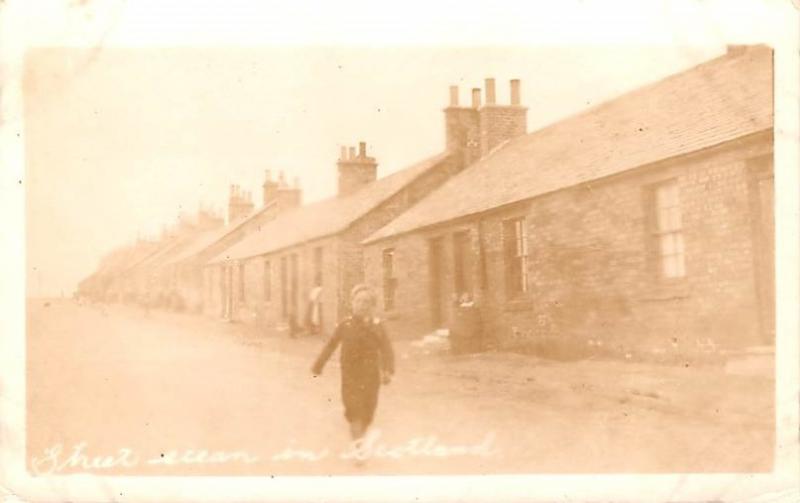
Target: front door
{"type": "Point", "coordinates": [436, 279]}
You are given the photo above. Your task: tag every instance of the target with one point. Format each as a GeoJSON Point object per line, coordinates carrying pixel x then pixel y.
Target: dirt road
{"type": "Point", "coordinates": [114, 391]}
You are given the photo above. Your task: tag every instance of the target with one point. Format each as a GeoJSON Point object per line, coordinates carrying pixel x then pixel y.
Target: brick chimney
{"type": "Point", "coordinates": [355, 171]}
{"type": "Point", "coordinates": [184, 224]}
{"type": "Point", "coordinates": [288, 196]}
{"type": "Point", "coordinates": [206, 219]}
{"type": "Point", "coordinates": [240, 203]}
{"type": "Point", "coordinates": [499, 123]}
{"type": "Point", "coordinates": [462, 127]}
{"type": "Point", "coordinates": [269, 188]}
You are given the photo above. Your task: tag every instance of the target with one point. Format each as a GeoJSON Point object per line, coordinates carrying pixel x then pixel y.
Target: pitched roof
{"type": "Point", "coordinates": [715, 102]}
{"type": "Point", "coordinates": [205, 239]}
{"type": "Point", "coordinates": [326, 217]}
{"type": "Point", "coordinates": [165, 248]}
{"type": "Point", "coordinates": [121, 257]}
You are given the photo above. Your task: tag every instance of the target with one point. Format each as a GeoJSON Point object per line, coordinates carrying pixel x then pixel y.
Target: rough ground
{"type": "Point", "coordinates": [168, 387]}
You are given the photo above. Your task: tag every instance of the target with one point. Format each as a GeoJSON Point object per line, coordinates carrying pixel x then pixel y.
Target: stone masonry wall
{"type": "Point", "coordinates": [591, 281]}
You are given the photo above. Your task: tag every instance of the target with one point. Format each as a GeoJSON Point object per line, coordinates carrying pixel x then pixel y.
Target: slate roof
{"type": "Point", "coordinates": [126, 256]}
{"type": "Point", "coordinates": [164, 248]}
{"type": "Point", "coordinates": [205, 239]}
{"type": "Point", "coordinates": [718, 101]}
{"type": "Point", "coordinates": [326, 217]}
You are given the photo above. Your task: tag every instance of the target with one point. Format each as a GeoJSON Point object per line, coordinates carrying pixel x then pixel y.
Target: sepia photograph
{"type": "Point", "coordinates": [324, 260]}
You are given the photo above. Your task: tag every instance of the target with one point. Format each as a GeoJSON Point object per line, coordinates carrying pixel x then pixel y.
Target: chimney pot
{"type": "Point", "coordinates": [343, 154]}
{"type": "Point", "coordinates": [297, 182]}
{"type": "Point", "coordinates": [490, 95]}
{"type": "Point", "coordinates": [357, 172]}
{"type": "Point", "coordinates": [453, 96]}
{"type": "Point", "coordinates": [515, 98]}
{"type": "Point", "coordinates": [476, 97]}
{"type": "Point", "coordinates": [268, 175]}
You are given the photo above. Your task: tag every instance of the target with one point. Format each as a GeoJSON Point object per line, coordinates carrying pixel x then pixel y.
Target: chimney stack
{"type": "Point", "coordinates": [462, 129]}
{"type": "Point", "coordinates": [476, 97]}
{"type": "Point", "coordinates": [356, 172]}
{"type": "Point", "coordinates": [240, 203]}
{"type": "Point", "coordinates": [490, 95]}
{"type": "Point", "coordinates": [288, 196]}
{"type": "Point", "coordinates": [515, 98]}
{"type": "Point", "coordinates": [206, 219]}
{"type": "Point", "coordinates": [453, 96]}
{"type": "Point", "coordinates": [269, 188]}
{"type": "Point", "coordinates": [500, 123]}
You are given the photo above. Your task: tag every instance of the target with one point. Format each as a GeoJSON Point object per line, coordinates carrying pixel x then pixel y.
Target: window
{"type": "Point", "coordinates": [389, 281]}
{"type": "Point", "coordinates": [267, 281]}
{"type": "Point", "coordinates": [317, 266]}
{"type": "Point", "coordinates": [241, 282]}
{"type": "Point", "coordinates": [461, 263]}
{"type": "Point", "coordinates": [515, 244]}
{"type": "Point", "coordinates": [667, 230]}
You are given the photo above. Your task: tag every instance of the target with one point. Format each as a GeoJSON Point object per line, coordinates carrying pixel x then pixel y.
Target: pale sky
{"type": "Point", "coordinates": [135, 125]}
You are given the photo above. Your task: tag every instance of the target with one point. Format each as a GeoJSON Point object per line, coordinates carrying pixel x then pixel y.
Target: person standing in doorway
{"type": "Point", "coordinates": [314, 309]}
{"type": "Point", "coordinates": [367, 360]}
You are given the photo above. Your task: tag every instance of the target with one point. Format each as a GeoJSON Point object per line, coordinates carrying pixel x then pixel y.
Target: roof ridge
{"type": "Point", "coordinates": [727, 57]}
{"type": "Point", "coordinates": [358, 202]}
{"type": "Point", "coordinates": [708, 104]}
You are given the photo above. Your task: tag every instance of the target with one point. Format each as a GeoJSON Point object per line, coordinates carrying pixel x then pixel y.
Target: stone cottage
{"type": "Point", "coordinates": [319, 245]}
{"type": "Point", "coordinates": [146, 275]}
{"type": "Point", "coordinates": [208, 288]}
{"type": "Point", "coordinates": [645, 222]}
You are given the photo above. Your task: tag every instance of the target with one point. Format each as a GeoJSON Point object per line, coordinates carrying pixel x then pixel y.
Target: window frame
{"type": "Point", "coordinates": [516, 257]}
{"type": "Point", "coordinates": [663, 229]}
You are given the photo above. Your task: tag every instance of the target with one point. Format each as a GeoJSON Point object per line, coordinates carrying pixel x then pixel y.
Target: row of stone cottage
{"type": "Point", "coordinates": [647, 220]}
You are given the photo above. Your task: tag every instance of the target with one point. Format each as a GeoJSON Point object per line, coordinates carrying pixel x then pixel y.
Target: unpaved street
{"type": "Point", "coordinates": [178, 394]}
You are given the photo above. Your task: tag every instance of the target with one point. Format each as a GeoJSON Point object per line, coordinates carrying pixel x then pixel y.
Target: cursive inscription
{"type": "Point", "coordinates": [52, 461]}
{"type": "Point", "coordinates": [56, 460]}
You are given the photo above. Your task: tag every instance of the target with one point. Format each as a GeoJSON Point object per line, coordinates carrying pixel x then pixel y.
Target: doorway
{"type": "Point", "coordinates": [436, 280]}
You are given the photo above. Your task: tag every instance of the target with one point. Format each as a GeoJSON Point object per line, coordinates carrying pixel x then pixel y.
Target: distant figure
{"type": "Point", "coordinates": [314, 309]}
{"type": "Point", "coordinates": [366, 360]}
